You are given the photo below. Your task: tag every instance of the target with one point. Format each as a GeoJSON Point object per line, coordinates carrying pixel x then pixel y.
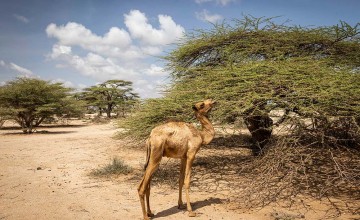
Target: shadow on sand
{"type": "Point", "coordinates": [16, 130]}
{"type": "Point", "coordinates": [39, 132]}
{"type": "Point", "coordinates": [7, 128]}
{"type": "Point", "coordinates": [196, 205]}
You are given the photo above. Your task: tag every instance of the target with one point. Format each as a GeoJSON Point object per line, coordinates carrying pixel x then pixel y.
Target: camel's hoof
{"type": "Point", "coordinates": [192, 214]}
{"type": "Point", "coordinates": [181, 206]}
{"type": "Point", "coordinates": [149, 214]}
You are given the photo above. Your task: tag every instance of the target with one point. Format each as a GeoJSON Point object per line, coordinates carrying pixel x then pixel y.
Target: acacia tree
{"type": "Point", "coordinates": [256, 67]}
{"type": "Point", "coordinates": [110, 96]}
{"type": "Point", "coordinates": [30, 101]}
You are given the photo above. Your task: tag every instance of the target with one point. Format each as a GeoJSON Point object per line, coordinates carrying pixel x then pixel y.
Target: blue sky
{"type": "Point", "coordinates": [84, 42]}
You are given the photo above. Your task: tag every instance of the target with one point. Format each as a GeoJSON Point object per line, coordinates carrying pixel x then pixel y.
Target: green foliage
{"type": "Point", "coordinates": [256, 66]}
{"type": "Point", "coordinates": [29, 101]}
{"type": "Point", "coordinates": [258, 39]}
{"type": "Point", "coordinates": [153, 112]}
{"type": "Point", "coordinates": [110, 96]}
{"type": "Point", "coordinates": [305, 86]}
{"type": "Point", "coordinates": [115, 168]}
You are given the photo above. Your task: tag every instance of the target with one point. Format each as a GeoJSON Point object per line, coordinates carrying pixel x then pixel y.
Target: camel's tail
{"type": "Point", "coordinates": [148, 151]}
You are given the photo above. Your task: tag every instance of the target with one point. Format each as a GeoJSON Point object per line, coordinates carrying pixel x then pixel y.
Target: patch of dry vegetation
{"type": "Point", "coordinates": [116, 167]}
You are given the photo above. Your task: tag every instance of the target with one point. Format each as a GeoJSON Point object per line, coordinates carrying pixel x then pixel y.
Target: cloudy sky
{"type": "Point", "coordinates": [84, 42]}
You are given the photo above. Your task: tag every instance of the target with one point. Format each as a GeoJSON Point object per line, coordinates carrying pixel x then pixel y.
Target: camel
{"type": "Point", "coordinates": [176, 140]}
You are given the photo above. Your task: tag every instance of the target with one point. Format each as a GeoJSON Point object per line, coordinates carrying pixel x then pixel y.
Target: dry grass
{"type": "Point", "coordinates": [117, 167]}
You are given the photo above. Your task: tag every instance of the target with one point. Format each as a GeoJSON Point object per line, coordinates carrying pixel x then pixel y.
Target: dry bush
{"type": "Point", "coordinates": [316, 161]}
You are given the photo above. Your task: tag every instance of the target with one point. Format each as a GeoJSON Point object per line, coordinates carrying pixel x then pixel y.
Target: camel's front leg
{"type": "Point", "coordinates": [187, 184]}
{"type": "Point", "coordinates": [181, 182]}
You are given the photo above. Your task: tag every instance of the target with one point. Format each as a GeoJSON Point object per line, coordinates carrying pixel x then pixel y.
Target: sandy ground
{"type": "Point", "coordinates": [46, 176]}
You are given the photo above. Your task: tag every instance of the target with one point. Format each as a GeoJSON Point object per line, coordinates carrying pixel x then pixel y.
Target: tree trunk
{"type": "Point", "coordinates": [25, 121]}
{"type": "Point", "coordinates": [38, 122]}
{"type": "Point", "coordinates": [29, 126]}
{"type": "Point", "coordinates": [260, 127]}
{"type": "Point", "coordinates": [109, 110]}
{"type": "Point", "coordinates": [108, 113]}
{"type": "Point", "coordinates": [2, 121]}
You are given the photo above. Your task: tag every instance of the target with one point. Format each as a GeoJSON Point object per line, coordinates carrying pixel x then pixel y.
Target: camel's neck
{"type": "Point", "coordinates": [208, 132]}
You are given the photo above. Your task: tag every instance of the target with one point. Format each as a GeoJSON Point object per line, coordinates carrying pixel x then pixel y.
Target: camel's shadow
{"type": "Point", "coordinates": [196, 205]}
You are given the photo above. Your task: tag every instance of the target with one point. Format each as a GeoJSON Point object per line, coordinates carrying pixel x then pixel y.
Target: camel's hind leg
{"type": "Point", "coordinates": [144, 187]}
{"type": "Point", "coordinates": [149, 213]}
{"type": "Point", "coordinates": [181, 183]}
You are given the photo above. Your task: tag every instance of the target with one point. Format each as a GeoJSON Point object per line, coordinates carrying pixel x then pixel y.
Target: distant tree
{"type": "Point", "coordinates": [111, 96]}
{"type": "Point", "coordinates": [30, 101]}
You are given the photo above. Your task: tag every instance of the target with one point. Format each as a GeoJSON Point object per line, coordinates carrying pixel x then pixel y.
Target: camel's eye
{"type": "Point", "coordinates": [202, 105]}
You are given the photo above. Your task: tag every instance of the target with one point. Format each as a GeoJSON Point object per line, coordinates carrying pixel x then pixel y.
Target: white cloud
{"type": "Point", "coordinates": [76, 34]}
{"type": "Point", "coordinates": [81, 86]}
{"type": "Point", "coordinates": [116, 42]}
{"type": "Point", "coordinates": [18, 69]}
{"type": "Point", "coordinates": [151, 50]}
{"type": "Point", "coordinates": [225, 2]}
{"type": "Point", "coordinates": [67, 84]}
{"type": "Point", "coordinates": [21, 18]}
{"type": "Point", "coordinates": [139, 28]}
{"type": "Point", "coordinates": [119, 53]}
{"type": "Point", "coordinates": [205, 15]}
{"type": "Point", "coordinates": [92, 65]}
{"type": "Point", "coordinates": [155, 70]}
{"type": "Point", "coordinates": [60, 50]}
{"type": "Point", "coordinates": [202, 1]}
{"type": "Point", "coordinates": [149, 88]}
{"type": "Point", "coordinates": [21, 70]}
{"type": "Point", "coordinates": [220, 2]}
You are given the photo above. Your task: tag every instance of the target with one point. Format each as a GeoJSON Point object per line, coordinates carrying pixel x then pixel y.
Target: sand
{"type": "Point", "coordinates": [46, 176]}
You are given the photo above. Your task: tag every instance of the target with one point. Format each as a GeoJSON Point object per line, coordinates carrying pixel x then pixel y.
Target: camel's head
{"type": "Point", "coordinates": [204, 107]}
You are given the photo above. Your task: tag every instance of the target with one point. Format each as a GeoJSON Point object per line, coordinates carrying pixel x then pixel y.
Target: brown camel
{"type": "Point", "coordinates": [176, 140]}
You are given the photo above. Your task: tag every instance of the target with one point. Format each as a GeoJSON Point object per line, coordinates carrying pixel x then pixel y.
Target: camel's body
{"type": "Point", "coordinates": [176, 140]}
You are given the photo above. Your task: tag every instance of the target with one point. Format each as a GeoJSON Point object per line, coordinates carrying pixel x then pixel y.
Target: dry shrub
{"type": "Point", "coordinates": [117, 167]}
{"type": "Point", "coordinates": [100, 120]}
{"type": "Point", "coordinates": [320, 162]}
